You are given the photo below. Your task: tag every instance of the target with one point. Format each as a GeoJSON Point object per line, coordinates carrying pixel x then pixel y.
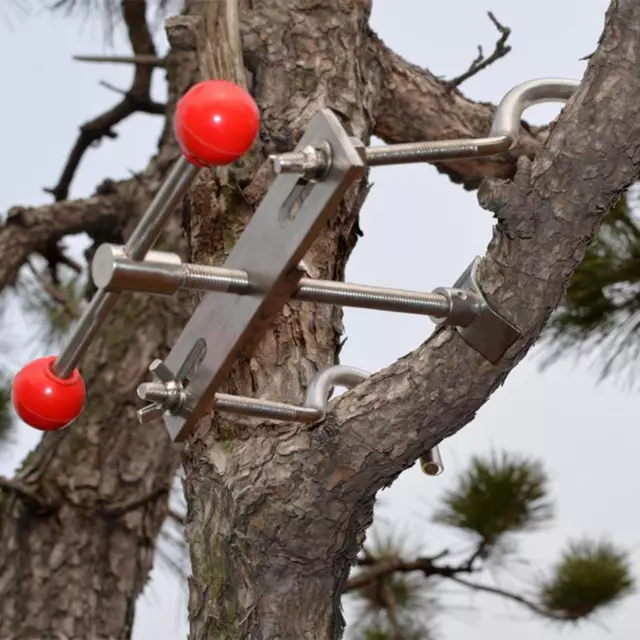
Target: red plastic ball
{"type": "Point", "coordinates": [216, 123]}
{"type": "Point", "coordinates": [43, 400]}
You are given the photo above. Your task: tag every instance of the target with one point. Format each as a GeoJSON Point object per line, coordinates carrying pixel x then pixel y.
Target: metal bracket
{"type": "Point", "coordinates": [486, 331]}
{"type": "Point", "coordinates": [290, 217]}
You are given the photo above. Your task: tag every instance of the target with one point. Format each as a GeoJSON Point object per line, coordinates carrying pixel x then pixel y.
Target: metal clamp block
{"type": "Point", "coordinates": [480, 326]}
{"type": "Point", "coordinates": [288, 220]}
{"type": "Point", "coordinates": [464, 307]}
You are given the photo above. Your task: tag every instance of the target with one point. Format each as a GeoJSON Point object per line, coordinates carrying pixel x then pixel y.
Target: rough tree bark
{"type": "Point", "coordinates": [78, 523]}
{"type": "Point", "coordinates": [277, 513]}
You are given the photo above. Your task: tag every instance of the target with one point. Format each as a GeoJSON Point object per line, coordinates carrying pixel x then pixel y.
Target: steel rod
{"type": "Point", "coordinates": [431, 462]}
{"type": "Point", "coordinates": [142, 239]}
{"type": "Point", "coordinates": [392, 154]}
{"type": "Point", "coordinates": [168, 397]}
{"type": "Point", "coordinates": [266, 409]}
{"type": "Point", "coordinates": [317, 397]}
{"type": "Point", "coordinates": [436, 150]}
{"type": "Point", "coordinates": [506, 120]}
{"type": "Point", "coordinates": [92, 319]}
{"type": "Point", "coordinates": [502, 137]}
{"type": "Point", "coordinates": [113, 270]}
{"type": "Point", "coordinates": [369, 297]}
{"type": "Point", "coordinates": [173, 189]}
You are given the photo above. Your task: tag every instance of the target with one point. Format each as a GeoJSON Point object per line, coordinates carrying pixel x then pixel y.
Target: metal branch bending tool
{"type": "Point", "coordinates": [216, 123]}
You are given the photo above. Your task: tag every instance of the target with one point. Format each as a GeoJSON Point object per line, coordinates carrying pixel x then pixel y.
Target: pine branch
{"type": "Point", "coordinates": [392, 610]}
{"type": "Point", "coordinates": [500, 51]}
{"type": "Point", "coordinates": [29, 230]}
{"type": "Point", "coordinates": [497, 496]}
{"type": "Point", "coordinates": [136, 99]}
{"type": "Point", "coordinates": [589, 576]}
{"type": "Point", "coordinates": [149, 60]}
{"type": "Point", "coordinates": [532, 606]}
{"type": "Point", "coordinates": [386, 567]}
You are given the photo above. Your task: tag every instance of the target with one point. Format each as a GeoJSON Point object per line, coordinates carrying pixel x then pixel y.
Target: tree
{"type": "Point", "coordinates": [494, 501]}
{"type": "Point", "coordinates": [255, 544]}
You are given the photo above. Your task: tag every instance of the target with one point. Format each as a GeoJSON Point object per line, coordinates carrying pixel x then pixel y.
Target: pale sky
{"type": "Point", "coordinates": [428, 230]}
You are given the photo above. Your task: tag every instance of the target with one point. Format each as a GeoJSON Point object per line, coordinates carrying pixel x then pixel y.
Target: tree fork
{"type": "Point", "coordinates": [248, 581]}
{"type": "Point", "coordinates": [276, 516]}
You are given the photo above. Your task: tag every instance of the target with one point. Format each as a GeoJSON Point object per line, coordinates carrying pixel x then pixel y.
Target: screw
{"type": "Point", "coordinates": [313, 163]}
{"type": "Point", "coordinates": [167, 394]}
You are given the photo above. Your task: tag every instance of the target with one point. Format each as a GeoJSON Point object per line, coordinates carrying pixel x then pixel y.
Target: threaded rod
{"type": "Point", "coordinates": [205, 278]}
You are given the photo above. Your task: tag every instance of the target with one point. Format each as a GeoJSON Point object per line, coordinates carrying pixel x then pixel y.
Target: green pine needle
{"type": "Point", "coordinates": [589, 576]}
{"type": "Point", "coordinates": [497, 496]}
{"type": "Point", "coordinates": [600, 315]}
{"type": "Point", "coordinates": [405, 590]}
{"type": "Point", "coordinates": [415, 603]}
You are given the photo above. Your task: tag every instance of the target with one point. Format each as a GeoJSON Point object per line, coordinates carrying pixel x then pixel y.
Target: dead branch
{"type": "Point", "coordinates": [36, 230]}
{"type": "Point", "coordinates": [112, 87]}
{"type": "Point", "coordinates": [500, 51]}
{"type": "Point", "coordinates": [54, 254]}
{"type": "Point", "coordinates": [55, 294]}
{"type": "Point", "coordinates": [150, 60]}
{"type": "Point", "coordinates": [413, 104]}
{"type": "Point", "coordinates": [136, 99]}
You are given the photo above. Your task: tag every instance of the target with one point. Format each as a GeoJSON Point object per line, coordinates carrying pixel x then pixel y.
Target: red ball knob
{"type": "Point", "coordinates": [216, 123]}
{"type": "Point", "coordinates": [43, 400]}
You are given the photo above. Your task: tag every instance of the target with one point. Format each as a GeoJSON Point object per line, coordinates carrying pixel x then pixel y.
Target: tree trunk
{"type": "Point", "coordinates": [78, 524]}
{"type": "Point", "coordinates": [258, 570]}
{"type": "Point", "coordinates": [276, 514]}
